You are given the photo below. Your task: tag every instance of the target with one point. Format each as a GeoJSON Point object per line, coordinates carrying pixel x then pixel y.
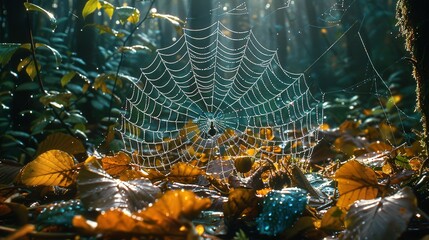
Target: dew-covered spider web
{"type": "Point", "coordinates": [220, 91]}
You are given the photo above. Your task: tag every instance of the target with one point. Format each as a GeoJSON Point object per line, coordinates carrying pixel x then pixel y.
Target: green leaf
{"type": "Point", "coordinates": [67, 78]}
{"type": "Point", "coordinates": [106, 29]}
{"type": "Point", "coordinates": [108, 8]}
{"type": "Point", "coordinates": [133, 49]}
{"type": "Point", "coordinates": [6, 52]}
{"type": "Point", "coordinates": [129, 14]}
{"type": "Point", "coordinates": [90, 7]}
{"type": "Point", "coordinates": [34, 7]}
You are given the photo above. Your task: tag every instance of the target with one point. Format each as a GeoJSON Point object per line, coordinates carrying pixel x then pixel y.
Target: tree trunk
{"type": "Point", "coordinates": [413, 20]}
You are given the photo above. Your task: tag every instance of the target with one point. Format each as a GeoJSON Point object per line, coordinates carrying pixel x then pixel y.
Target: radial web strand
{"type": "Point", "coordinates": [215, 94]}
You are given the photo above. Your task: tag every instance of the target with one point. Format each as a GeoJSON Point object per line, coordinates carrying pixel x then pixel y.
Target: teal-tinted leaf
{"type": "Point", "coordinates": [67, 78]}
{"type": "Point", "coordinates": [280, 210]}
{"type": "Point", "coordinates": [99, 190]}
{"type": "Point", "coordinates": [75, 119]}
{"type": "Point", "coordinates": [129, 14]}
{"type": "Point", "coordinates": [6, 52]}
{"type": "Point", "coordinates": [59, 214]}
{"type": "Point", "coordinates": [28, 86]}
{"type": "Point", "coordinates": [34, 7]}
{"type": "Point", "coordinates": [90, 7]}
{"type": "Point", "coordinates": [381, 218]}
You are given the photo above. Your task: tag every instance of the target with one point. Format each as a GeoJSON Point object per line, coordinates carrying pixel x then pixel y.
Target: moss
{"type": "Point", "coordinates": [413, 21]}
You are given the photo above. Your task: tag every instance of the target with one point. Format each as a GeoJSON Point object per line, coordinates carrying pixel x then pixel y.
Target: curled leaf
{"type": "Point", "coordinates": [101, 191]}
{"type": "Point", "coordinates": [355, 182]}
{"type": "Point", "coordinates": [381, 218]}
{"type": "Point", "coordinates": [185, 173]}
{"type": "Point", "coordinates": [174, 206]}
{"type": "Point", "coordinates": [170, 214]}
{"type": "Point", "coordinates": [34, 7]}
{"type": "Point", "coordinates": [52, 168]}
{"type": "Point", "coordinates": [241, 202]}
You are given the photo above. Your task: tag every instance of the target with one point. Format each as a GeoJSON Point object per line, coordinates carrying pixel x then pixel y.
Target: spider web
{"type": "Point", "coordinates": [218, 92]}
{"type": "Point", "coordinates": [213, 95]}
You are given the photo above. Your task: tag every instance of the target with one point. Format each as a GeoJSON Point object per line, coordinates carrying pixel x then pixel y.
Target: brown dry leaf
{"type": "Point", "coordinates": [351, 127]}
{"type": "Point", "coordinates": [52, 168]}
{"type": "Point", "coordinates": [379, 147]}
{"type": "Point", "coordinates": [355, 182]}
{"type": "Point", "coordinates": [63, 142]}
{"type": "Point", "coordinates": [184, 173]}
{"type": "Point", "coordinates": [175, 205]}
{"type": "Point", "coordinates": [115, 165]}
{"type": "Point", "coordinates": [168, 215]}
{"type": "Point", "coordinates": [241, 202]}
{"type": "Point", "coordinates": [333, 220]}
{"type": "Point", "coordinates": [348, 144]}
{"type": "Point", "coordinates": [132, 174]}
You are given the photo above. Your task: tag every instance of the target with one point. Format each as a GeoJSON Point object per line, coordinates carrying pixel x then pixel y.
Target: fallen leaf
{"type": "Point", "coordinates": [241, 202]}
{"type": "Point", "coordinates": [333, 219]}
{"type": "Point", "coordinates": [281, 210]}
{"type": "Point", "coordinates": [52, 168]}
{"type": "Point", "coordinates": [184, 173]}
{"type": "Point", "coordinates": [114, 165]}
{"type": "Point", "coordinates": [99, 190]}
{"type": "Point", "coordinates": [355, 182]}
{"type": "Point", "coordinates": [381, 218]}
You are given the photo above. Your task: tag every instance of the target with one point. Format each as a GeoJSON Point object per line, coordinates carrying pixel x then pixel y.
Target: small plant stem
{"type": "Point", "coordinates": [33, 53]}
{"type": "Point", "coordinates": [122, 55]}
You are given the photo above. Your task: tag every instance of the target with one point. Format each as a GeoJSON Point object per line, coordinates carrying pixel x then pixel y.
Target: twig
{"type": "Point", "coordinates": [33, 53]}
{"type": "Point", "coordinates": [122, 55]}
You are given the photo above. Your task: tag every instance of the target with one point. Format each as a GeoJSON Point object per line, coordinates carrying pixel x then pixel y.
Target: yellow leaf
{"type": "Point", "coordinates": [185, 173]}
{"type": "Point", "coordinates": [333, 220]}
{"type": "Point", "coordinates": [108, 8]}
{"type": "Point", "coordinates": [392, 101]}
{"type": "Point", "coordinates": [355, 182]}
{"type": "Point", "coordinates": [90, 7]}
{"type": "Point", "coordinates": [52, 168]}
{"type": "Point", "coordinates": [114, 165]}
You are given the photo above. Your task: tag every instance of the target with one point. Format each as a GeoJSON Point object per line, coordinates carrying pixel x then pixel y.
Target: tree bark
{"type": "Point", "coordinates": [413, 21]}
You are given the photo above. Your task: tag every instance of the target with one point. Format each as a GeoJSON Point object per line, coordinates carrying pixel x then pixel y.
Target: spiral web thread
{"type": "Point", "coordinates": [216, 94]}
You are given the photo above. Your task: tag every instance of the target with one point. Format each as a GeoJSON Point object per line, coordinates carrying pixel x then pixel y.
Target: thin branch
{"type": "Point", "coordinates": [33, 53]}
{"type": "Point", "coordinates": [122, 55]}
